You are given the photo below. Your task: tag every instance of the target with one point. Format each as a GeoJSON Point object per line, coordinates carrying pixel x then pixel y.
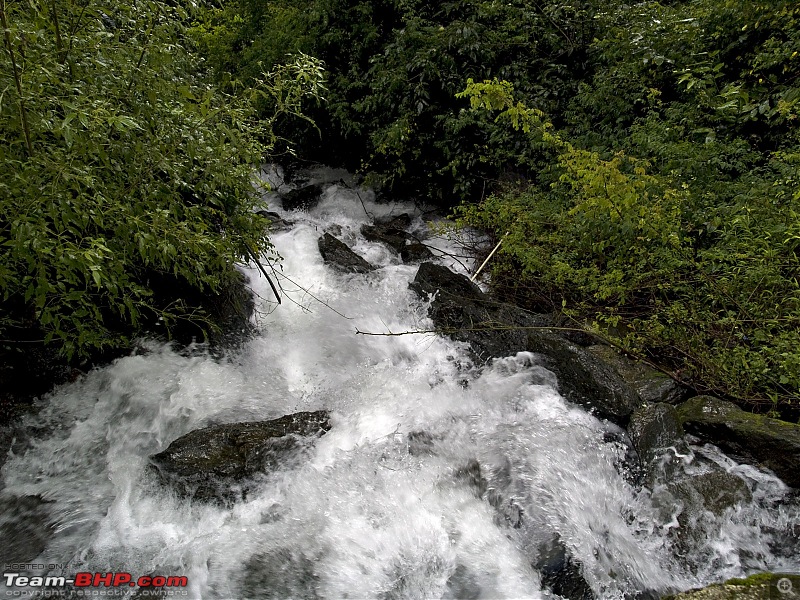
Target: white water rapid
{"type": "Point", "coordinates": [372, 512]}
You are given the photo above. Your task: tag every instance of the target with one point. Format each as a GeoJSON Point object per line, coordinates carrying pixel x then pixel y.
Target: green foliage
{"type": "Point", "coordinates": [395, 66]}
{"type": "Point", "coordinates": [125, 170]}
{"type": "Point", "coordinates": [643, 157]}
{"type": "Point", "coordinates": [620, 246]}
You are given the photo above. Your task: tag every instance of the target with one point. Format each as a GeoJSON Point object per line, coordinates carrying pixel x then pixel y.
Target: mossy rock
{"type": "Point", "coordinates": [651, 385]}
{"type": "Point", "coordinates": [749, 438]}
{"type": "Point", "coordinates": [761, 586]}
{"type": "Point", "coordinates": [215, 464]}
{"type": "Point", "coordinates": [495, 329]}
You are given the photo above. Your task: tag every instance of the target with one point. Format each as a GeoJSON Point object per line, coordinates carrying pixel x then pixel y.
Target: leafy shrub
{"type": "Point", "coordinates": [123, 167]}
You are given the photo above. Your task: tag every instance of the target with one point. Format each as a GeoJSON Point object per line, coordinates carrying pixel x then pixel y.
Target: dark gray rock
{"type": "Point", "coordinates": [584, 379]}
{"type": "Point", "coordinates": [493, 329]}
{"type": "Point", "coordinates": [651, 385]}
{"type": "Point", "coordinates": [420, 443]}
{"type": "Point", "coordinates": [406, 245]}
{"type": "Point", "coordinates": [461, 310]}
{"type": "Point", "coordinates": [279, 574]}
{"type": "Point", "coordinates": [302, 198]}
{"type": "Point", "coordinates": [654, 428]}
{"type": "Point", "coordinates": [561, 573]}
{"type": "Point", "coordinates": [462, 585]}
{"type": "Point", "coordinates": [472, 475]}
{"type": "Point", "coordinates": [215, 463]}
{"type": "Point", "coordinates": [415, 252]}
{"type": "Point", "coordinates": [276, 222]}
{"type": "Point", "coordinates": [339, 255]}
{"type": "Point", "coordinates": [748, 438]}
{"type": "Point", "coordinates": [401, 221]}
{"type": "Point", "coordinates": [693, 505]}
{"type": "Point", "coordinates": [25, 528]}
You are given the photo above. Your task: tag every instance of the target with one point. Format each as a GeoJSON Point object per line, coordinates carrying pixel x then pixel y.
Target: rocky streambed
{"type": "Point", "coordinates": [502, 457]}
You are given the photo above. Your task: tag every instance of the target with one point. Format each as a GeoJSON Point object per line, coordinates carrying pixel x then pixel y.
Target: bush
{"type": "Point", "coordinates": [124, 167]}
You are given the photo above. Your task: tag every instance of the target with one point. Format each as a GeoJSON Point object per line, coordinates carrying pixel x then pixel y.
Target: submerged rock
{"type": "Point", "coordinates": [279, 574]}
{"type": "Point", "coordinates": [748, 438]}
{"type": "Point", "coordinates": [462, 585]}
{"type": "Point", "coordinates": [214, 463]}
{"type": "Point", "coordinates": [494, 329]}
{"type": "Point", "coordinates": [692, 506]}
{"type": "Point", "coordinates": [339, 255]}
{"type": "Point", "coordinates": [25, 528]}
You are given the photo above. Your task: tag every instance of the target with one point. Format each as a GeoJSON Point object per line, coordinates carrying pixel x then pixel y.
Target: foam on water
{"type": "Point", "coordinates": [503, 466]}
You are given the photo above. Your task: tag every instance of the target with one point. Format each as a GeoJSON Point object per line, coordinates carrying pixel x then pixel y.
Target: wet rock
{"type": "Point", "coordinates": [462, 585]}
{"type": "Point", "coordinates": [471, 475]}
{"type": "Point", "coordinates": [406, 245]}
{"type": "Point", "coordinates": [420, 443]}
{"type": "Point", "coordinates": [756, 587]}
{"type": "Point", "coordinates": [415, 252]}
{"type": "Point", "coordinates": [215, 463]}
{"type": "Point", "coordinates": [653, 429]}
{"type": "Point", "coordinates": [691, 505]}
{"type": "Point", "coordinates": [495, 329]}
{"type": "Point", "coordinates": [745, 437]}
{"type": "Point", "coordinates": [627, 463]}
{"type": "Point", "coordinates": [464, 312]}
{"type": "Point", "coordinates": [401, 221]}
{"type": "Point", "coordinates": [339, 255]}
{"type": "Point", "coordinates": [25, 528]}
{"type": "Point", "coordinates": [302, 198]}
{"type": "Point", "coordinates": [651, 385]}
{"type": "Point", "coordinates": [276, 222]}
{"type": "Point", "coordinates": [715, 491]}
{"type": "Point", "coordinates": [280, 574]}
{"type": "Point", "coordinates": [584, 379]}
{"type": "Point", "coordinates": [561, 573]}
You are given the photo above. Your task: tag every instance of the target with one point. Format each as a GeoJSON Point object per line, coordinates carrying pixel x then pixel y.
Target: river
{"type": "Point", "coordinates": [370, 511]}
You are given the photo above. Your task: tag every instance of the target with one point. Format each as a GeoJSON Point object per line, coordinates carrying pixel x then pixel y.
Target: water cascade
{"type": "Point", "coordinates": [437, 479]}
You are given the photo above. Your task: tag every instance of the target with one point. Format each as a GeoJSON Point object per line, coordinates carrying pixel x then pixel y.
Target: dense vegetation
{"type": "Point", "coordinates": [643, 158]}
{"type": "Point", "coordinates": [126, 192]}
{"type": "Point", "coordinates": [639, 161]}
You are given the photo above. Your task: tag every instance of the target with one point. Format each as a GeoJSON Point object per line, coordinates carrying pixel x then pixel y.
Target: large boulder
{"type": "Point", "coordinates": [748, 438]}
{"type": "Point", "coordinates": [302, 198]}
{"type": "Point", "coordinates": [339, 255]}
{"type": "Point", "coordinates": [216, 463]}
{"type": "Point", "coordinates": [651, 385]}
{"type": "Point", "coordinates": [393, 234]}
{"type": "Point", "coordinates": [584, 379]}
{"type": "Point", "coordinates": [494, 329]}
{"type": "Point", "coordinates": [463, 311]}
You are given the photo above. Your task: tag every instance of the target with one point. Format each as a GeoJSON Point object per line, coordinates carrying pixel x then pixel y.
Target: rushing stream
{"type": "Point", "coordinates": [370, 511]}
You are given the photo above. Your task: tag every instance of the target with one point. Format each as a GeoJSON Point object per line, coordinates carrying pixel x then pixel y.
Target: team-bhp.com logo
{"type": "Point", "coordinates": [91, 581]}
